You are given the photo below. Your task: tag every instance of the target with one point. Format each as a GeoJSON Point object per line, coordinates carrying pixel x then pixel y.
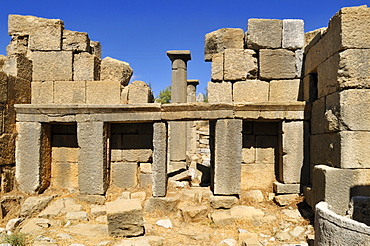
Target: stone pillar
{"type": "Point", "coordinates": [92, 158]}
{"type": "Point", "coordinates": [192, 90]}
{"type": "Point", "coordinates": [191, 135]}
{"type": "Point", "coordinates": [159, 168]}
{"type": "Point", "coordinates": [33, 157]}
{"type": "Point", "coordinates": [227, 156]}
{"type": "Point", "coordinates": [178, 137]}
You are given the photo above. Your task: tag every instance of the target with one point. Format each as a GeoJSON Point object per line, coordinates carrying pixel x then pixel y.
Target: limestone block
{"type": "Point", "coordinates": [277, 64]}
{"type": "Point", "coordinates": [103, 92]}
{"type": "Point", "coordinates": [146, 167]}
{"type": "Point", "coordinates": [64, 155]}
{"type": "Point", "coordinates": [51, 66]}
{"type": "Point", "coordinates": [34, 204]}
{"type": "Point", "coordinates": [64, 174]}
{"type": "Point", "coordinates": [284, 90]}
{"type": "Point", "coordinates": [193, 213]}
{"type": "Point", "coordinates": [220, 92]}
{"type": "Point", "coordinates": [325, 149]}
{"type": "Point", "coordinates": [19, 66]}
{"type": "Point", "coordinates": [348, 110]}
{"type": "Point", "coordinates": [264, 33]}
{"type": "Point", "coordinates": [75, 41]}
{"type": "Point", "coordinates": [221, 39]}
{"type": "Point", "coordinates": [293, 34]}
{"type": "Point", "coordinates": [7, 150]}
{"type": "Point", "coordinates": [223, 201]}
{"type": "Point", "coordinates": [136, 155]}
{"type": "Point", "coordinates": [293, 139]}
{"type": "Point", "coordinates": [139, 92]}
{"type": "Point", "coordinates": [42, 92]}
{"type": "Point", "coordinates": [145, 180]}
{"type": "Point", "coordinates": [178, 141]}
{"type": "Point", "coordinates": [168, 204]}
{"type": "Point", "coordinates": [250, 91]}
{"type": "Point", "coordinates": [115, 70]}
{"type": "Point", "coordinates": [69, 92]}
{"type": "Point", "coordinates": [125, 218]}
{"type": "Point", "coordinates": [19, 90]}
{"type": "Point", "coordinates": [240, 64]}
{"type": "Point", "coordinates": [3, 87]}
{"type": "Point", "coordinates": [18, 45]}
{"type": "Point", "coordinates": [299, 62]}
{"type": "Point", "coordinates": [86, 67]}
{"type": "Point", "coordinates": [228, 156]}
{"type": "Point", "coordinates": [249, 154]}
{"type": "Point", "coordinates": [124, 174]}
{"type": "Point", "coordinates": [92, 170]}
{"type": "Point", "coordinates": [9, 119]}
{"type": "Point", "coordinates": [159, 167]}
{"type": "Point", "coordinates": [217, 67]}
{"type": "Point", "coordinates": [280, 188]}
{"type": "Point", "coordinates": [28, 156]}
{"type": "Point", "coordinates": [45, 34]}
{"type": "Point", "coordinates": [95, 48]}
{"type": "Point", "coordinates": [265, 149]}
{"type": "Point", "coordinates": [347, 69]}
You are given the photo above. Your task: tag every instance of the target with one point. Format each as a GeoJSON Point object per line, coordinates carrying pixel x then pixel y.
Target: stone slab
{"type": "Point", "coordinates": [277, 64]}
{"type": "Point", "coordinates": [280, 188]}
{"type": "Point", "coordinates": [52, 66]}
{"type": "Point", "coordinates": [69, 92]}
{"type": "Point", "coordinates": [264, 33]}
{"type": "Point", "coordinates": [284, 90]}
{"type": "Point", "coordinates": [240, 64]}
{"type": "Point", "coordinates": [103, 92]}
{"type": "Point", "coordinates": [293, 34]}
{"type": "Point", "coordinates": [220, 92]}
{"type": "Point", "coordinates": [42, 92]}
{"type": "Point", "coordinates": [124, 174]}
{"type": "Point", "coordinates": [250, 91]}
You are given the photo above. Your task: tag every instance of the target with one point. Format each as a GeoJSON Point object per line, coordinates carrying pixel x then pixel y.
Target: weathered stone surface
{"type": "Point", "coordinates": [220, 92]}
{"type": "Point", "coordinates": [293, 139]}
{"type": "Point", "coordinates": [277, 64]}
{"type": "Point", "coordinates": [13, 224]}
{"type": "Point", "coordinates": [95, 48]}
{"type": "Point", "coordinates": [283, 200]}
{"type": "Point", "coordinates": [69, 92]}
{"type": "Point", "coordinates": [222, 218]}
{"type": "Point", "coordinates": [136, 155]}
{"type": "Point", "coordinates": [293, 34]}
{"type": "Point", "coordinates": [75, 41]}
{"type": "Point", "coordinates": [177, 141]}
{"type": "Point", "coordinates": [124, 174]}
{"type": "Point", "coordinates": [34, 204]}
{"type": "Point", "coordinates": [42, 92]}
{"type": "Point", "coordinates": [92, 172]}
{"type": "Point", "coordinates": [115, 70]}
{"type": "Point", "coordinates": [265, 149]}
{"type": "Point", "coordinates": [52, 66]}
{"type": "Point", "coordinates": [86, 67]}
{"type": "Point", "coordinates": [3, 87]}
{"type": "Point", "coordinates": [223, 201]}
{"type": "Point", "coordinates": [217, 67]}
{"type": "Point", "coordinates": [281, 188]}
{"type": "Point", "coordinates": [299, 62]}
{"type": "Point", "coordinates": [139, 92]}
{"type": "Point", "coordinates": [253, 196]}
{"type": "Point", "coordinates": [125, 218]}
{"type": "Point", "coordinates": [97, 92]}
{"type": "Point", "coordinates": [228, 156]}
{"type": "Point", "coordinates": [88, 230]}
{"type": "Point", "coordinates": [284, 90]}
{"type": "Point", "coordinates": [18, 45]}
{"type": "Point", "coordinates": [250, 91]}
{"type": "Point", "coordinates": [331, 227]}
{"type": "Point", "coordinates": [79, 215]}
{"type": "Point", "coordinates": [159, 167]}
{"type": "Point", "coordinates": [259, 181]}
{"type": "Point", "coordinates": [221, 39]}
{"type": "Point", "coordinates": [98, 210]}
{"type": "Point", "coordinates": [168, 203]}
{"type": "Point", "coordinates": [246, 212]}
{"type": "Point", "coordinates": [45, 34]}
{"type": "Point", "coordinates": [240, 64]}
{"type": "Point", "coordinates": [193, 213]}
{"type": "Point", "coordinates": [36, 225]}
{"type": "Point", "coordinates": [264, 33]}
{"type": "Point", "coordinates": [19, 66]}
{"type": "Point", "coordinates": [359, 209]}
{"type": "Point", "coordinates": [91, 199]}
{"type": "Point", "coordinates": [18, 92]}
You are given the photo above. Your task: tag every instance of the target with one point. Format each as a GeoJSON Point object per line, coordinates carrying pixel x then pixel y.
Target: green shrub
{"type": "Point", "coordinates": [15, 239]}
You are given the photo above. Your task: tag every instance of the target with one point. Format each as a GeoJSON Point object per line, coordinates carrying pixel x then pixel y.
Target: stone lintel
{"type": "Point", "coordinates": [193, 82]}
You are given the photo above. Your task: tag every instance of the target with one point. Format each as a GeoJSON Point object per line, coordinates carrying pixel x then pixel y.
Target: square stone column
{"type": "Point", "coordinates": [33, 156]}
{"type": "Point", "coordinates": [92, 158]}
{"type": "Point", "coordinates": [228, 156]}
{"type": "Point", "coordinates": [159, 168]}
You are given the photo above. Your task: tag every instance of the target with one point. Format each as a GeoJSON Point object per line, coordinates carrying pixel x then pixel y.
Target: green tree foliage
{"type": "Point", "coordinates": [164, 96]}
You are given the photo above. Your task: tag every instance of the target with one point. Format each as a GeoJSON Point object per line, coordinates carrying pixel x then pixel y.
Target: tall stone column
{"type": "Point", "coordinates": [92, 158]}
{"type": "Point", "coordinates": [228, 156]}
{"type": "Point", "coordinates": [178, 137]}
{"type": "Point", "coordinates": [191, 127]}
{"type": "Point", "coordinates": [159, 169]}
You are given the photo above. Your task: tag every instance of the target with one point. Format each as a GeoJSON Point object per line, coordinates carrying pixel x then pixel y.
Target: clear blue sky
{"type": "Point", "coordinates": [141, 31]}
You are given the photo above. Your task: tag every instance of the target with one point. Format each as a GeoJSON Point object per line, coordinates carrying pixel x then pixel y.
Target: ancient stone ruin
{"type": "Point", "coordinates": [287, 113]}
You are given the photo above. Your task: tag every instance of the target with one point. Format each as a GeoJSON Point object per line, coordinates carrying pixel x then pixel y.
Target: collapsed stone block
{"type": "Point", "coordinates": [293, 34]}
{"type": "Point", "coordinates": [264, 33]}
{"type": "Point", "coordinates": [52, 66]}
{"type": "Point", "coordinates": [19, 66]}
{"type": "Point", "coordinates": [139, 92]}
{"type": "Point", "coordinates": [284, 90]}
{"type": "Point", "coordinates": [44, 34]}
{"type": "Point", "coordinates": [346, 69]}
{"type": "Point", "coordinates": [97, 91]}
{"type": "Point", "coordinates": [240, 64]}
{"type": "Point", "coordinates": [96, 49]}
{"type": "Point", "coordinates": [124, 174]}
{"type": "Point", "coordinates": [115, 70]}
{"type": "Point", "coordinates": [250, 91]}
{"type": "Point", "coordinates": [277, 64]}
{"type": "Point", "coordinates": [42, 92]}
{"type": "Point", "coordinates": [86, 67]}
{"type": "Point", "coordinates": [228, 156]}
{"type": "Point", "coordinates": [221, 39]}
{"type": "Point", "coordinates": [18, 45]}
{"type": "Point", "coordinates": [220, 92]}
{"type": "Point", "coordinates": [69, 91]}
{"type": "Point", "coordinates": [125, 218]}
{"type": "Point", "coordinates": [218, 67]}
{"type": "Point", "coordinates": [75, 41]}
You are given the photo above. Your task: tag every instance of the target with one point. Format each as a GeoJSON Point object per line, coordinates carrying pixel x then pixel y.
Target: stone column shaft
{"type": "Point", "coordinates": [159, 168]}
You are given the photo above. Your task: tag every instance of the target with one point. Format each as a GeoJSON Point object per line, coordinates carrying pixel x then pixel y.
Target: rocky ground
{"type": "Point", "coordinates": [185, 217]}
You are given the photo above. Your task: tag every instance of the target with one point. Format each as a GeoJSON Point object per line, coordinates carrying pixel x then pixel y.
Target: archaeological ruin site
{"type": "Point", "coordinates": [277, 156]}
